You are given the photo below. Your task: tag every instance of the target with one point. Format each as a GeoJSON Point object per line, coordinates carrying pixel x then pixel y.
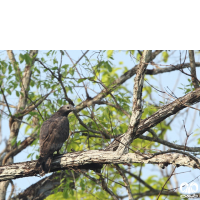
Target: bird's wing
{"type": "Point", "coordinates": [53, 134]}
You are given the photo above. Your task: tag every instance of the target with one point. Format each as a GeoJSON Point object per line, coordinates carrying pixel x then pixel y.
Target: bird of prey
{"type": "Point", "coordinates": [53, 134]}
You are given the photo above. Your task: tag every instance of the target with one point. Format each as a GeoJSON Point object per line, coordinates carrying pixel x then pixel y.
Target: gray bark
{"type": "Point", "coordinates": [81, 160]}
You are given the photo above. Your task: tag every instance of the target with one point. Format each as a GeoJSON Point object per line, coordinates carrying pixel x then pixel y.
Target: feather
{"type": "Point", "coordinates": [53, 133]}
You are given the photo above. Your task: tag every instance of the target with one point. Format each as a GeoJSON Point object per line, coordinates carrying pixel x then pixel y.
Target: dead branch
{"type": "Point", "coordinates": [82, 160]}
{"type": "Point", "coordinates": [137, 105]}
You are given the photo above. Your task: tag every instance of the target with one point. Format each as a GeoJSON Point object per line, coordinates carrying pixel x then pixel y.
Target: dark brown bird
{"type": "Point", "coordinates": [53, 134]}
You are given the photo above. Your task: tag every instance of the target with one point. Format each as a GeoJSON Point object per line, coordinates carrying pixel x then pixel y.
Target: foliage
{"type": "Point", "coordinates": [96, 74]}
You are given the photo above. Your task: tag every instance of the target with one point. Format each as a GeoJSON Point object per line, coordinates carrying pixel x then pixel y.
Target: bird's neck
{"type": "Point", "coordinates": [62, 113]}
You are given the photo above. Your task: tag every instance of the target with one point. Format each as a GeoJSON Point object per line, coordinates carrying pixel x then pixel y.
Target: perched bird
{"type": "Point", "coordinates": [53, 134]}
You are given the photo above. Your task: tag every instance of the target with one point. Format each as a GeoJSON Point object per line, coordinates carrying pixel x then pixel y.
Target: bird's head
{"type": "Point", "coordinates": [66, 109]}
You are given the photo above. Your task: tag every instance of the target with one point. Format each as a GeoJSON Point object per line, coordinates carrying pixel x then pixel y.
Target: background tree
{"type": "Point", "coordinates": [115, 115]}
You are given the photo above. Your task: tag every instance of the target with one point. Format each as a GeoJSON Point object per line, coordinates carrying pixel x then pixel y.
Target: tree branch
{"type": "Point", "coordinates": [15, 125]}
{"type": "Point", "coordinates": [193, 69]}
{"type": "Point", "coordinates": [113, 85]}
{"type": "Point", "coordinates": [83, 160]}
{"type": "Point", "coordinates": [164, 112]}
{"type": "Point", "coordinates": [45, 186]}
{"type": "Point", "coordinates": [139, 179]}
{"type": "Point", "coordinates": [137, 105]}
{"type": "Point", "coordinates": [169, 144]}
{"type": "Point", "coordinates": [130, 195]}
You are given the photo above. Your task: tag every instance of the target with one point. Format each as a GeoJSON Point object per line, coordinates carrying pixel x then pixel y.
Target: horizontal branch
{"type": "Point", "coordinates": [169, 68]}
{"type": "Point", "coordinates": [169, 144]}
{"type": "Point", "coordinates": [83, 160]}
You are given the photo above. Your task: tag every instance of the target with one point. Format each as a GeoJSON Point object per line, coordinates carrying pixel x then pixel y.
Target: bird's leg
{"type": "Point", "coordinates": [58, 153]}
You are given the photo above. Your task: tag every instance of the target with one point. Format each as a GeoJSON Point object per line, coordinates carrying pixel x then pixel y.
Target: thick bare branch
{"type": "Point", "coordinates": [137, 104]}
{"type": "Point", "coordinates": [82, 160]}
{"type": "Point", "coordinates": [12, 190]}
{"type": "Point", "coordinates": [193, 69]}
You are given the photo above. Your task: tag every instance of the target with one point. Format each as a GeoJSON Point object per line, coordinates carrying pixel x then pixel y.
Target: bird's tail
{"type": "Point", "coordinates": [44, 164]}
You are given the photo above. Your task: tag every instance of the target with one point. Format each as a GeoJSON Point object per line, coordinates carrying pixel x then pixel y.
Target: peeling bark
{"type": "Point", "coordinates": [81, 160]}
{"type": "Point", "coordinates": [137, 104]}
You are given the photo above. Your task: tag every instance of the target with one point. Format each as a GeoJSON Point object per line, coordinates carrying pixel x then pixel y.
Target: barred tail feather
{"type": "Point", "coordinates": [48, 164]}
{"type": "Point", "coordinates": [43, 164]}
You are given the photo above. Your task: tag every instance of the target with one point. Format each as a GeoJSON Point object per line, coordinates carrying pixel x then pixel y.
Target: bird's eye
{"type": "Point", "coordinates": [68, 107]}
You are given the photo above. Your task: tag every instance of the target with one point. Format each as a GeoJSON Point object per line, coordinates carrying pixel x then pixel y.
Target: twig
{"type": "Point", "coordinates": [139, 179]}
{"type": "Point", "coordinates": [130, 195]}
{"type": "Point", "coordinates": [12, 190]}
{"type": "Point", "coordinates": [6, 101]}
{"type": "Point", "coordinates": [165, 183]}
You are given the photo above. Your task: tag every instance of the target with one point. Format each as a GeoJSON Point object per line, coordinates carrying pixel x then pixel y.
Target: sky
{"type": "Point", "coordinates": [168, 80]}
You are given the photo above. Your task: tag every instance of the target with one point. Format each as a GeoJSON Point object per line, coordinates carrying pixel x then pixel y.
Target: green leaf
{"type": "Point", "coordinates": [29, 155]}
{"type": "Point", "coordinates": [9, 69]}
{"type": "Point", "coordinates": [138, 57]}
{"type": "Point", "coordinates": [13, 141]}
{"type": "Point", "coordinates": [82, 184]}
{"type": "Point", "coordinates": [19, 142]}
{"type": "Point", "coordinates": [71, 71]}
{"type": "Point", "coordinates": [65, 66]}
{"type": "Point", "coordinates": [32, 83]}
{"type": "Point", "coordinates": [27, 59]}
{"type": "Point", "coordinates": [165, 56]}
{"type": "Point", "coordinates": [107, 65]}
{"type": "Point", "coordinates": [55, 61]}
{"type": "Point", "coordinates": [110, 53]}
{"type": "Point", "coordinates": [8, 91]}
{"type": "Point", "coordinates": [54, 68]}
{"type": "Point", "coordinates": [59, 101]}
{"type": "Point", "coordinates": [22, 94]}
{"type": "Point", "coordinates": [81, 80]}
{"type": "Point", "coordinates": [21, 58]}
{"type": "Point", "coordinates": [65, 193]}
{"type": "Point", "coordinates": [17, 93]}
{"type": "Point", "coordinates": [3, 67]}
